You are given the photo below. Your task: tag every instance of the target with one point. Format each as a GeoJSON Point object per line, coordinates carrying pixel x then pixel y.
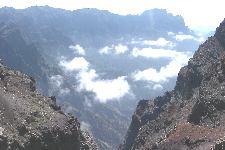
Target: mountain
{"type": "Point", "coordinates": [97, 64]}
{"type": "Point", "coordinates": [192, 115]}
{"type": "Point", "coordinates": [18, 54]}
{"type": "Point", "coordinates": [53, 30]}
{"type": "Point", "coordinates": [32, 121]}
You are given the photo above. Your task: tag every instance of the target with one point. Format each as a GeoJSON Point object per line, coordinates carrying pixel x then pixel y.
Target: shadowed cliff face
{"type": "Point", "coordinates": [192, 115]}
{"type": "Point", "coordinates": [30, 121]}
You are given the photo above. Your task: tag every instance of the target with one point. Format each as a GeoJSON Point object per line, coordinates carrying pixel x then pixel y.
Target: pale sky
{"type": "Point", "coordinates": [198, 14]}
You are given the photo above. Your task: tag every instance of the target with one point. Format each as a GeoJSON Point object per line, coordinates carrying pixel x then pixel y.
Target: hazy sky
{"type": "Point", "coordinates": [198, 14]}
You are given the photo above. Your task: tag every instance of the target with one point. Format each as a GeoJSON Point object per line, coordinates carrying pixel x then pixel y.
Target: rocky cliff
{"type": "Point", "coordinates": [30, 121]}
{"type": "Point", "coordinates": [192, 116]}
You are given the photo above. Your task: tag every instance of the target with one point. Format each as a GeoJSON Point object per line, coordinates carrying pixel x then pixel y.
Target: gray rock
{"type": "Point", "coordinates": [30, 121]}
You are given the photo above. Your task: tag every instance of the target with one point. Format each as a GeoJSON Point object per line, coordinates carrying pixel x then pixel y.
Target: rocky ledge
{"type": "Point", "coordinates": [30, 121]}
{"type": "Point", "coordinates": [192, 116]}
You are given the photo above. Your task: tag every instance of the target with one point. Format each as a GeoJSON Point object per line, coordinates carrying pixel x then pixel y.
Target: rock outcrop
{"type": "Point", "coordinates": [192, 116]}
{"type": "Point", "coordinates": [30, 121]}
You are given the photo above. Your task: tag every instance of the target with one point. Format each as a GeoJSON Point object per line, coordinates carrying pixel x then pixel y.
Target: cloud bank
{"type": "Point", "coordinates": [181, 37]}
{"type": "Point", "coordinates": [160, 42]}
{"type": "Point", "coordinates": [121, 49]}
{"type": "Point", "coordinates": [114, 49]}
{"type": "Point", "coordinates": [76, 64]}
{"type": "Point", "coordinates": [178, 59]}
{"type": "Point", "coordinates": [77, 49]}
{"type": "Point", "coordinates": [105, 90]}
{"type": "Point", "coordinates": [156, 53]}
{"type": "Point", "coordinates": [105, 50]}
{"type": "Point", "coordinates": [114, 89]}
{"type": "Point", "coordinates": [89, 80]}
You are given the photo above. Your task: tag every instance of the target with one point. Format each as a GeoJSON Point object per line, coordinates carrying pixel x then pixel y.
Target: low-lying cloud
{"type": "Point", "coordinates": [77, 49]}
{"type": "Point", "coordinates": [181, 37]}
{"type": "Point", "coordinates": [89, 80]}
{"type": "Point", "coordinates": [178, 59]}
{"type": "Point", "coordinates": [121, 49]}
{"type": "Point", "coordinates": [105, 50]}
{"type": "Point", "coordinates": [104, 90]}
{"type": "Point", "coordinates": [160, 42]}
{"type": "Point", "coordinates": [76, 64]}
{"type": "Point", "coordinates": [157, 53]}
{"type": "Point", "coordinates": [114, 49]}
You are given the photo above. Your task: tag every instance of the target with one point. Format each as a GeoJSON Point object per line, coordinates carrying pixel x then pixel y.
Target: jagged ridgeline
{"type": "Point", "coordinates": [192, 116]}
{"type": "Point", "coordinates": [30, 121]}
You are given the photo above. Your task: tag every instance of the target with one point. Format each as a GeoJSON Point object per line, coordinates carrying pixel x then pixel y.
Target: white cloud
{"type": "Point", "coordinates": [156, 53]}
{"type": "Point", "coordinates": [178, 59]}
{"type": "Point", "coordinates": [105, 90]}
{"type": "Point", "coordinates": [89, 80]}
{"type": "Point", "coordinates": [118, 49]}
{"type": "Point", "coordinates": [160, 42]}
{"type": "Point", "coordinates": [77, 49]}
{"type": "Point", "coordinates": [76, 64]}
{"type": "Point", "coordinates": [121, 49]}
{"type": "Point", "coordinates": [105, 50]}
{"type": "Point", "coordinates": [170, 33]}
{"type": "Point", "coordinates": [157, 87]}
{"type": "Point", "coordinates": [182, 37]}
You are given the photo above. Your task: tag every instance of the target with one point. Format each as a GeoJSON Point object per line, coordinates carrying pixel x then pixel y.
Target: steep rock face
{"type": "Point", "coordinates": [192, 116]}
{"type": "Point", "coordinates": [31, 121]}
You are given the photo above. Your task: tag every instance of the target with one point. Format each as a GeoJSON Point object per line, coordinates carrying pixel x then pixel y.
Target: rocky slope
{"type": "Point", "coordinates": [32, 121]}
{"type": "Point", "coordinates": [192, 116]}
